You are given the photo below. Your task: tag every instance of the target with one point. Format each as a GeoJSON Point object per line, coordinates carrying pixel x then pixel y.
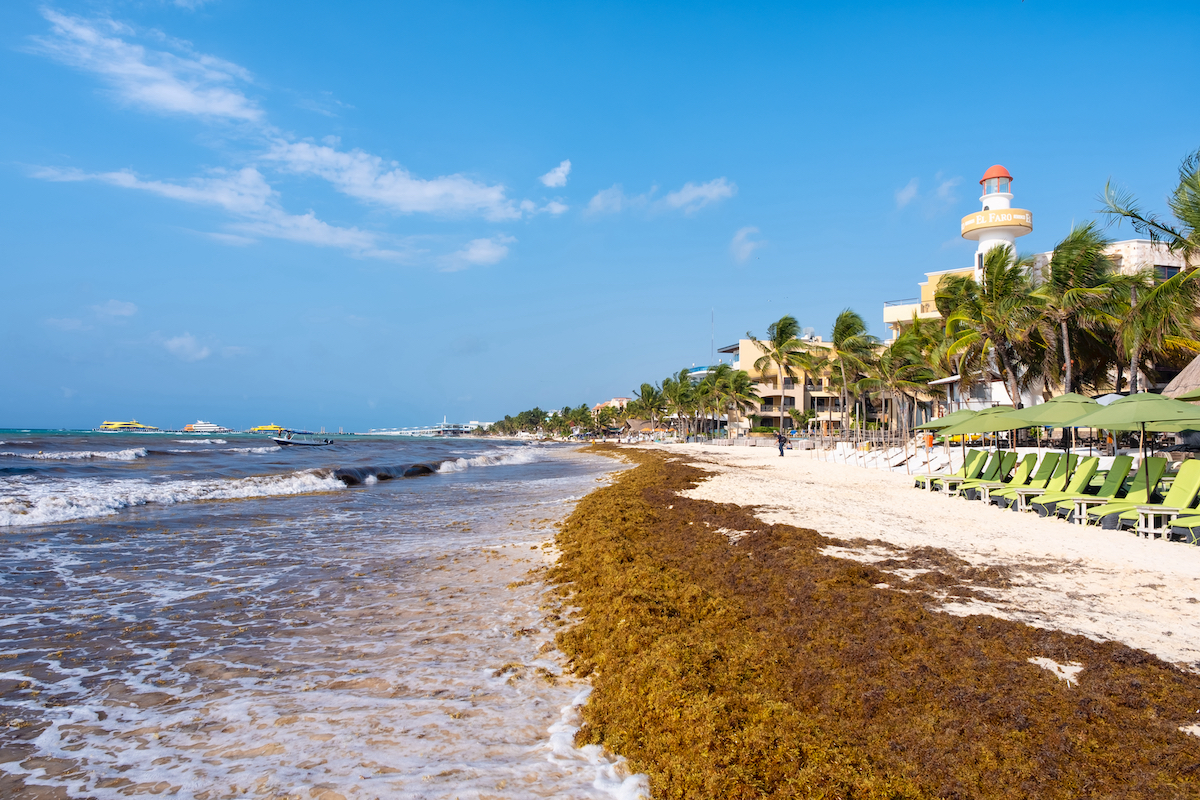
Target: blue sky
{"type": "Point", "coordinates": [377, 214]}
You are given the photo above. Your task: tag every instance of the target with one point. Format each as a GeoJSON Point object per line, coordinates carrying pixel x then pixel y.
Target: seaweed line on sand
{"type": "Point", "coordinates": [762, 667]}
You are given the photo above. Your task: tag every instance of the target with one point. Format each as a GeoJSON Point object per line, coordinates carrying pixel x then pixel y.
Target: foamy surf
{"type": "Point", "coordinates": [613, 776]}
{"type": "Point", "coordinates": [519, 455]}
{"type": "Point", "coordinates": [79, 455]}
{"type": "Point", "coordinates": [40, 502]}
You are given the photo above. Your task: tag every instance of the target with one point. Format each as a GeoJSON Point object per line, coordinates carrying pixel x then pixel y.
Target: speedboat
{"type": "Point", "coordinates": [289, 439]}
{"type": "Point", "coordinates": [133, 426]}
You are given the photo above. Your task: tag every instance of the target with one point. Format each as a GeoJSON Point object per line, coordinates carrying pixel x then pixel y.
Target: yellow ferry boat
{"type": "Point", "coordinates": [266, 429]}
{"type": "Point", "coordinates": [133, 426]}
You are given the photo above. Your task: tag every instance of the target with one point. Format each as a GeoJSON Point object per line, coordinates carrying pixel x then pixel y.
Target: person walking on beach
{"type": "Point", "coordinates": [781, 440]}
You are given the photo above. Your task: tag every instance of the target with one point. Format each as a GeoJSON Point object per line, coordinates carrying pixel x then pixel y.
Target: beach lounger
{"type": "Point", "coordinates": [1006, 497]}
{"type": "Point", "coordinates": [1114, 479]}
{"type": "Point", "coordinates": [1187, 529]}
{"type": "Point", "coordinates": [1150, 471]}
{"type": "Point", "coordinates": [999, 478]}
{"type": "Point", "coordinates": [1044, 504]}
{"type": "Point", "coordinates": [931, 481]}
{"type": "Point", "coordinates": [952, 485]}
{"type": "Point", "coordinates": [1154, 519]}
{"type": "Point", "coordinates": [1057, 483]}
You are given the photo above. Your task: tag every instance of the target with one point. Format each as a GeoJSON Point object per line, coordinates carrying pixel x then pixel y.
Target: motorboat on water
{"type": "Point", "coordinates": [294, 439]}
{"type": "Point", "coordinates": [272, 428]}
{"type": "Point", "coordinates": [200, 426]}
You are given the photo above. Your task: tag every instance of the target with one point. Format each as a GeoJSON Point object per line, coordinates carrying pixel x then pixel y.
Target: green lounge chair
{"type": "Point", "coordinates": [1187, 528]}
{"type": "Point", "coordinates": [1179, 498]}
{"type": "Point", "coordinates": [930, 481]}
{"type": "Point", "coordinates": [971, 488]}
{"type": "Point", "coordinates": [1006, 497]}
{"type": "Point", "coordinates": [1114, 479]}
{"type": "Point", "coordinates": [987, 473]}
{"type": "Point", "coordinates": [1150, 472]}
{"type": "Point", "coordinates": [1044, 504]}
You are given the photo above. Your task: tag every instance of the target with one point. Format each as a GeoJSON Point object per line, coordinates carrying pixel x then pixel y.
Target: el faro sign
{"type": "Point", "coordinates": [1000, 218]}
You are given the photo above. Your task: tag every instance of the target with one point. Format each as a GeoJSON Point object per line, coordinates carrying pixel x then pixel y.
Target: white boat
{"type": "Point", "coordinates": [200, 426]}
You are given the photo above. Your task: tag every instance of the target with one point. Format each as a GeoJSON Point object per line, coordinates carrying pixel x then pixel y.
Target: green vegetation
{"type": "Point", "coordinates": [764, 669]}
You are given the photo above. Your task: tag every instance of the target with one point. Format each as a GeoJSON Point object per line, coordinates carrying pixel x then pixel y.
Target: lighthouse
{"type": "Point", "coordinates": [998, 223]}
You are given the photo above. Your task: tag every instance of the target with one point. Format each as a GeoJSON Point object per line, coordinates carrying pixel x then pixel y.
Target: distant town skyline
{"type": "Point", "coordinates": [385, 215]}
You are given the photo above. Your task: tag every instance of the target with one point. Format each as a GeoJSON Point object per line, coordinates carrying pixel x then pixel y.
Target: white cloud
{"type": "Point", "coordinates": [945, 190]}
{"type": "Point", "coordinates": [555, 208]}
{"type": "Point", "coordinates": [115, 308]}
{"type": "Point", "coordinates": [742, 246]}
{"type": "Point", "coordinates": [479, 252]}
{"type": "Point", "coordinates": [186, 347]}
{"type": "Point", "coordinates": [191, 83]}
{"type": "Point", "coordinates": [247, 194]}
{"type": "Point", "coordinates": [607, 201]}
{"type": "Point", "coordinates": [231, 239]}
{"type": "Point", "coordinates": [557, 176]}
{"type": "Point", "coordinates": [692, 197]}
{"type": "Point", "coordinates": [905, 196]}
{"type": "Point", "coordinates": [368, 177]}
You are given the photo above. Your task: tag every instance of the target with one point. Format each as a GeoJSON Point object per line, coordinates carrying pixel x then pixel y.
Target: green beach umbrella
{"type": "Point", "coordinates": [987, 421]}
{"type": "Point", "coordinates": [946, 421]}
{"type": "Point", "coordinates": [1194, 394]}
{"type": "Point", "coordinates": [1058, 412]}
{"type": "Point", "coordinates": [1143, 412]}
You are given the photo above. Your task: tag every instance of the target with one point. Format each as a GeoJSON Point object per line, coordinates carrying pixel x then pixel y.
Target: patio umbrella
{"type": "Point", "coordinates": [1194, 394]}
{"type": "Point", "coordinates": [1058, 412]}
{"type": "Point", "coordinates": [1143, 412]}
{"type": "Point", "coordinates": [981, 422]}
{"type": "Point", "coordinates": [946, 421]}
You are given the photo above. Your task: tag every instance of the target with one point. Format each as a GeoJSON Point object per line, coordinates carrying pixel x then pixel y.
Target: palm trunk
{"type": "Point", "coordinates": [845, 421]}
{"type": "Point", "coordinates": [1135, 358]}
{"type": "Point", "coordinates": [1012, 376]}
{"type": "Point", "coordinates": [782, 396]}
{"type": "Point", "coordinates": [1070, 367]}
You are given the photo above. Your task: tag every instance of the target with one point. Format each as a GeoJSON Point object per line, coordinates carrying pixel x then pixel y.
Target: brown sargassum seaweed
{"type": "Point", "coordinates": [765, 669]}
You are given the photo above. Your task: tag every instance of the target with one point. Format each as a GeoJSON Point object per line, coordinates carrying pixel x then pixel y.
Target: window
{"type": "Point", "coordinates": [1162, 273]}
{"type": "Point", "coordinates": [788, 383]}
{"type": "Point", "coordinates": [994, 185]}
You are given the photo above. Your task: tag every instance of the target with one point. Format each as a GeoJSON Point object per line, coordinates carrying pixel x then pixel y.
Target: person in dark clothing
{"type": "Point", "coordinates": [781, 440]}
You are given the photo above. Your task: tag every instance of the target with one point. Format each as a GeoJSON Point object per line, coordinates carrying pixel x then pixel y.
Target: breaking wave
{"type": "Point", "coordinates": [43, 502]}
{"type": "Point", "coordinates": [75, 455]}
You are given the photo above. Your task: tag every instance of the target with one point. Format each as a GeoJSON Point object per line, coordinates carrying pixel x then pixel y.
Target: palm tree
{"type": "Point", "coordinates": [737, 395]}
{"type": "Point", "coordinates": [1160, 320]}
{"type": "Point", "coordinates": [1183, 237]}
{"type": "Point", "coordinates": [679, 397]}
{"type": "Point", "coordinates": [991, 318]}
{"type": "Point", "coordinates": [1077, 300]}
{"type": "Point", "coordinates": [898, 371]}
{"type": "Point", "coordinates": [650, 401]}
{"type": "Point", "coordinates": [850, 346]}
{"type": "Point", "coordinates": [782, 349]}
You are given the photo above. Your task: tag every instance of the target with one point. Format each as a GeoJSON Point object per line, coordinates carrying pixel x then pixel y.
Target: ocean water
{"type": "Point", "coordinates": [216, 617]}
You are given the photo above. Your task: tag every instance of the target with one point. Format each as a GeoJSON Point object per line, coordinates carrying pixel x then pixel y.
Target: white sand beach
{"type": "Point", "coordinates": [1107, 585]}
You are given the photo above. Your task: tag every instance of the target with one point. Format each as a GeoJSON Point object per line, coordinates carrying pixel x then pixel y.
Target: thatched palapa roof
{"type": "Point", "coordinates": [1185, 381]}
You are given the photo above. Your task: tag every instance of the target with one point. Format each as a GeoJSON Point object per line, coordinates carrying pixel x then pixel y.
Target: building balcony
{"type": "Point", "coordinates": [900, 311]}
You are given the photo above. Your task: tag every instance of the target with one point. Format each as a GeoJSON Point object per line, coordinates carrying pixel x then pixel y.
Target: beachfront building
{"type": "Point", "coordinates": [998, 223]}
{"type": "Point", "coordinates": [618, 403]}
{"type": "Point", "coordinates": [805, 392]}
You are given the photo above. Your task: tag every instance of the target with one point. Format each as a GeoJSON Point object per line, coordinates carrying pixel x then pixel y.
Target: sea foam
{"type": "Point", "coordinates": [39, 502]}
{"type": "Point", "coordinates": [75, 455]}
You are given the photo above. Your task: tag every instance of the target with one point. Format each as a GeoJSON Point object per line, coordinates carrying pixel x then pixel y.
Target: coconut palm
{"type": "Point", "coordinates": [1182, 236]}
{"type": "Point", "coordinates": [737, 394]}
{"type": "Point", "coordinates": [898, 371]}
{"type": "Point", "coordinates": [783, 350]}
{"type": "Point", "coordinates": [1160, 320]}
{"type": "Point", "coordinates": [649, 400]}
{"type": "Point", "coordinates": [991, 318]}
{"type": "Point", "coordinates": [850, 349]}
{"type": "Point", "coordinates": [679, 397]}
{"type": "Point", "coordinates": [1079, 302]}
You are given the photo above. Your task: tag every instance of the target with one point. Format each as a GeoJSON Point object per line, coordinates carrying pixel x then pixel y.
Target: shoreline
{"type": "Point", "coordinates": [735, 655]}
